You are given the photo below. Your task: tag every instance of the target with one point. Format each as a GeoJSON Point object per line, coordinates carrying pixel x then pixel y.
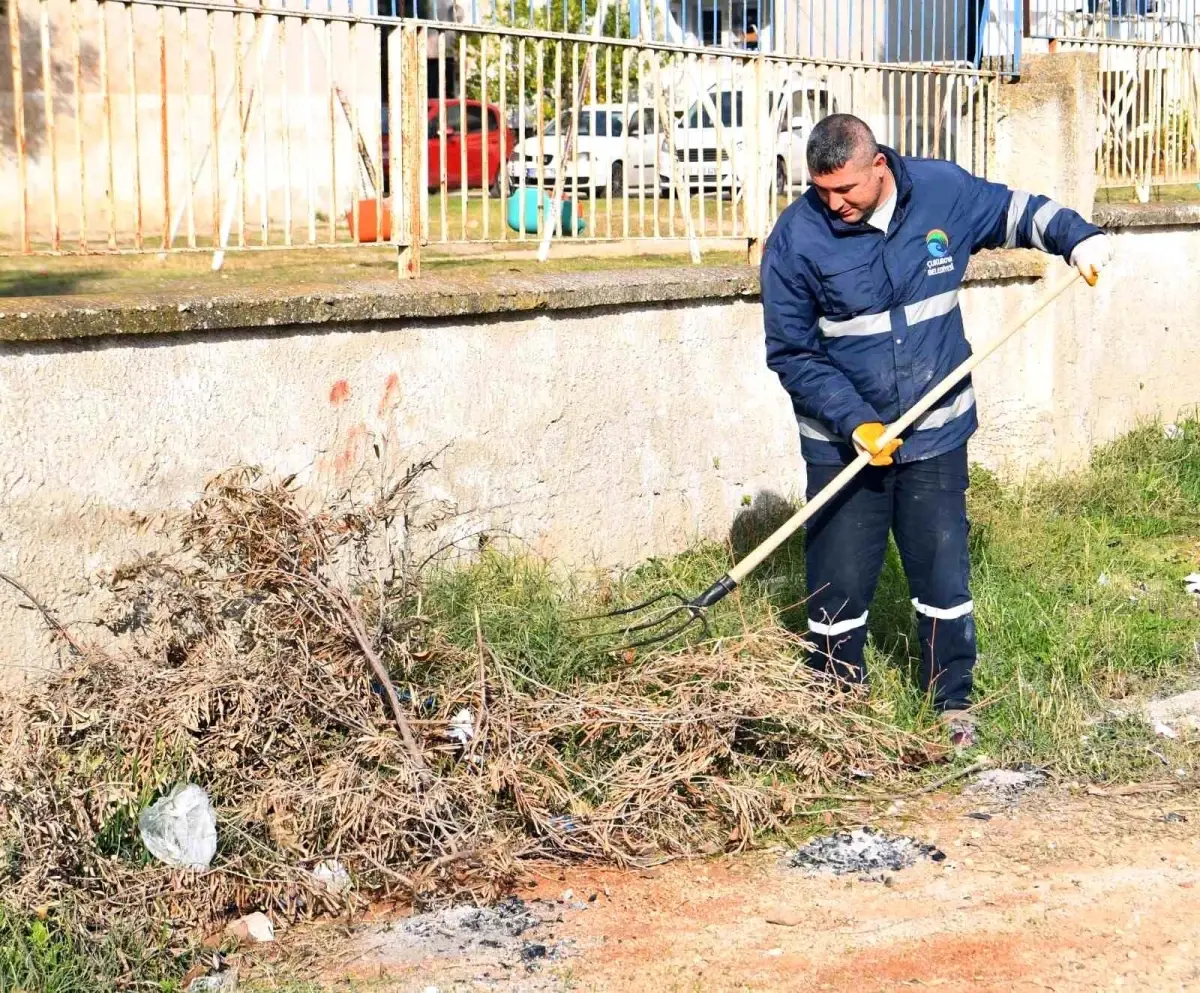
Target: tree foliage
{"type": "Point", "coordinates": [553, 68]}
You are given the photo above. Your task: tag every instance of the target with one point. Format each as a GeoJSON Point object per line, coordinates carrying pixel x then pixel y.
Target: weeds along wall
{"type": "Point", "coordinates": [621, 416]}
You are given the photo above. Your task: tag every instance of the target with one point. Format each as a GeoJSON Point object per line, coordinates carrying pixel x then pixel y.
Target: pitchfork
{"type": "Point", "coordinates": [663, 617]}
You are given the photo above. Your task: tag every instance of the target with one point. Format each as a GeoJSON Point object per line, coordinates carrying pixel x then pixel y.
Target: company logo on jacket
{"type": "Point", "coordinates": [937, 244]}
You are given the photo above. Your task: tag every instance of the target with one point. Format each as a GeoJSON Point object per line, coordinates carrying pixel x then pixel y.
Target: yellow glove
{"type": "Point", "coordinates": [866, 439]}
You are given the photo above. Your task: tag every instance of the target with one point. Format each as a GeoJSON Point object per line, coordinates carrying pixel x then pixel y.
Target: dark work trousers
{"type": "Point", "coordinates": [924, 505]}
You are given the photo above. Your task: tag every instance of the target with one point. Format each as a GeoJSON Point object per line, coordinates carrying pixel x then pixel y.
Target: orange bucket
{"type": "Point", "coordinates": [368, 224]}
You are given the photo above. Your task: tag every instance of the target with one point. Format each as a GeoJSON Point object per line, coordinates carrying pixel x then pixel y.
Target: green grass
{"type": "Point", "coordinates": [50, 955]}
{"type": "Point", "coordinates": [31, 279]}
{"type": "Point", "coordinates": [451, 218]}
{"type": "Point", "coordinates": [1057, 642]}
{"type": "Point", "coordinates": [1172, 193]}
{"type": "Point", "coordinates": [456, 217]}
{"type": "Point", "coordinates": [527, 608]}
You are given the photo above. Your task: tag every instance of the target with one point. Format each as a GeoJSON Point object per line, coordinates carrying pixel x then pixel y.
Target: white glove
{"type": "Point", "coordinates": [1091, 255]}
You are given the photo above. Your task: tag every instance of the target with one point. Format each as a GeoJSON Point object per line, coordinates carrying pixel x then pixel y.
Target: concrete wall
{"type": "Point", "coordinates": [1094, 365]}
{"type": "Point", "coordinates": [596, 433]}
{"type": "Point", "coordinates": [1043, 135]}
{"type": "Point", "coordinates": [601, 434]}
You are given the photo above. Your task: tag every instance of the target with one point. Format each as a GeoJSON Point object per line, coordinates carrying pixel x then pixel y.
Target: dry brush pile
{"type": "Point", "coordinates": [287, 670]}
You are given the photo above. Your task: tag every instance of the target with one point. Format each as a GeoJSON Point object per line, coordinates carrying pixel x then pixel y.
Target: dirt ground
{"type": "Point", "coordinates": [1060, 889]}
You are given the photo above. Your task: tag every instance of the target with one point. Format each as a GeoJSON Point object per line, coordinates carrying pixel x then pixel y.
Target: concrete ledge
{"type": "Point", "coordinates": [433, 297]}
{"type": "Point", "coordinates": [65, 318]}
{"type": "Point", "coordinates": [1020, 263]}
{"type": "Point", "coordinates": [1147, 215]}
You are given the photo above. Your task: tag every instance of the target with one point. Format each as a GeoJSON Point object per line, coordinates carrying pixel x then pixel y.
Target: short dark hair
{"type": "Point", "coordinates": [836, 140]}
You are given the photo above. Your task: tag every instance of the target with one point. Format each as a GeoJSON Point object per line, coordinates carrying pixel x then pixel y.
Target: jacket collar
{"type": "Point", "coordinates": [903, 195]}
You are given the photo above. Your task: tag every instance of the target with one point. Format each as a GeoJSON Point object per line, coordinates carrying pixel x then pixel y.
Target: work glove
{"type": "Point", "coordinates": [1091, 255]}
{"type": "Point", "coordinates": [866, 439]}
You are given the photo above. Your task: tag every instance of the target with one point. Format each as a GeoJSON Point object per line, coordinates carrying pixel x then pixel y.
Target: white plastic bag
{"type": "Point", "coordinates": [181, 828]}
{"type": "Point", "coordinates": [333, 874]}
{"type": "Point", "coordinates": [462, 727]}
{"type": "Point", "coordinates": [217, 982]}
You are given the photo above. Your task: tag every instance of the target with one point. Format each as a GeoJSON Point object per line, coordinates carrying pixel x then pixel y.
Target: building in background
{"type": "Point", "coordinates": [439, 75]}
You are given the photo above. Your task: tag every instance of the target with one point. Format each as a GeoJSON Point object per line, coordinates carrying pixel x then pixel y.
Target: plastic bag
{"type": "Point", "coordinates": [333, 874]}
{"type": "Point", "coordinates": [462, 727]}
{"type": "Point", "coordinates": [181, 828]}
{"type": "Point", "coordinates": [218, 982]}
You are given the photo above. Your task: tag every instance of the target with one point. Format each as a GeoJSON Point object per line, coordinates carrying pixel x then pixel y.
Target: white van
{"type": "Point", "coordinates": [615, 152]}
{"type": "Point", "coordinates": [718, 160]}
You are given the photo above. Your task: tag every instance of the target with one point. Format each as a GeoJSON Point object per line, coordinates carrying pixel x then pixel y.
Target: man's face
{"type": "Point", "coordinates": [856, 189]}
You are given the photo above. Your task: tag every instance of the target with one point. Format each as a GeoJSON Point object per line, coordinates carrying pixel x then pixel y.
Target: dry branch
{"type": "Point", "coordinates": [48, 616]}
{"type": "Point", "coordinates": [354, 621]}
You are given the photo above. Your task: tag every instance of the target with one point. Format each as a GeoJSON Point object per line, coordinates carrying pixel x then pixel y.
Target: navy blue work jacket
{"type": "Point", "coordinates": [861, 324]}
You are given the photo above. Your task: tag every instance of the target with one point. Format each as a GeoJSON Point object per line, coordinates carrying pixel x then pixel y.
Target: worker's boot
{"type": "Point", "coordinates": [961, 725]}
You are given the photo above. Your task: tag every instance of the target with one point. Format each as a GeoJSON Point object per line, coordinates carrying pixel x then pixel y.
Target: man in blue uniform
{"type": "Point", "coordinates": [860, 284]}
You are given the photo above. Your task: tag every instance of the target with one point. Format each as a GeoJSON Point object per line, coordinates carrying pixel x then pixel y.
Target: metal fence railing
{"type": "Point", "coordinates": [1148, 114]}
{"type": "Point", "coordinates": [959, 32]}
{"type": "Point", "coordinates": [1166, 22]}
{"type": "Point", "coordinates": [166, 125]}
{"type": "Point", "coordinates": [1149, 105]}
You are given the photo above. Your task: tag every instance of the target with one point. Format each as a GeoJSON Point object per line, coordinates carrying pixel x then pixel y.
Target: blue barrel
{"type": "Point", "coordinates": [530, 219]}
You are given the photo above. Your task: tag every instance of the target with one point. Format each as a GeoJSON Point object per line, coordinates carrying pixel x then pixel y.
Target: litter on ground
{"type": "Point", "coordinates": [256, 927]}
{"type": "Point", "coordinates": [333, 875]}
{"type": "Point", "coordinates": [218, 982]}
{"type": "Point", "coordinates": [181, 828]}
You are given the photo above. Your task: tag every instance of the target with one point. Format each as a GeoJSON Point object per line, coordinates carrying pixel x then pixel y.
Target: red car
{"type": "Point", "coordinates": [500, 142]}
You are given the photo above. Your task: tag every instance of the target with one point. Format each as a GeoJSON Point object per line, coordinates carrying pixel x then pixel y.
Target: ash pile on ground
{"type": "Point", "coordinates": [508, 919]}
{"type": "Point", "coordinates": [863, 851]}
{"type": "Point", "coordinates": [1007, 784]}
{"type": "Point", "coordinates": [511, 934]}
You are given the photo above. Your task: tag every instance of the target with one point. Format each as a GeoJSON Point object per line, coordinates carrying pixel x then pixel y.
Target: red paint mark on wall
{"type": "Point", "coordinates": [340, 393]}
{"type": "Point", "coordinates": [391, 395]}
{"type": "Point", "coordinates": [352, 451]}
